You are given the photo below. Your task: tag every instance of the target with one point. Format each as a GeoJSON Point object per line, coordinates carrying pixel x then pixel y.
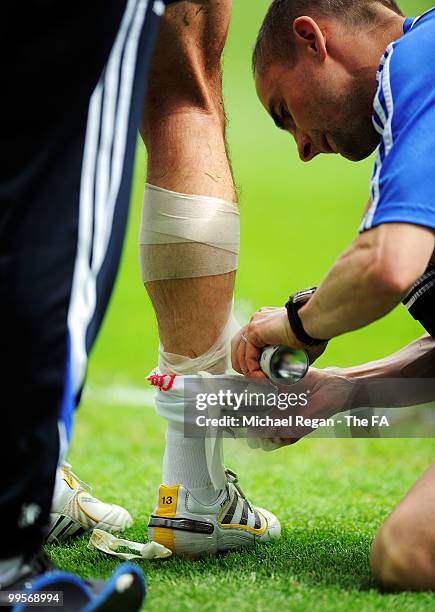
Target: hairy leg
{"type": "Point", "coordinates": [183, 129]}
{"type": "Point", "coordinates": [189, 247]}
{"type": "Point", "coordinates": [184, 132]}
{"type": "Point", "coordinates": [403, 552]}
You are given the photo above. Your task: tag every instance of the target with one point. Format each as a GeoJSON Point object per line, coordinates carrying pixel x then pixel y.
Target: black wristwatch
{"type": "Point", "coordinates": [295, 302]}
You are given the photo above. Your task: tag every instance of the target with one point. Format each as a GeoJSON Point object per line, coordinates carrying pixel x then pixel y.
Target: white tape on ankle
{"type": "Point", "coordinates": [214, 361]}
{"type": "Point", "coordinates": [170, 404]}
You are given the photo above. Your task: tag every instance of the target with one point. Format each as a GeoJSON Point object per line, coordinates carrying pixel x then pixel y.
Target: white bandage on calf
{"type": "Point", "coordinates": [187, 236]}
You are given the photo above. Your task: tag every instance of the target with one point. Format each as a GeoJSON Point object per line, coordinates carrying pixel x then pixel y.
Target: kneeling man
{"type": "Point", "coordinates": [350, 77]}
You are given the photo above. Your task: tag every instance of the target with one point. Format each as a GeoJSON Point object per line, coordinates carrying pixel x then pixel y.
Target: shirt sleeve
{"type": "Point", "coordinates": [403, 180]}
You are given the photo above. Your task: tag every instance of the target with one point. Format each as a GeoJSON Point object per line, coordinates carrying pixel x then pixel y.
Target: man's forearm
{"type": "Point", "coordinates": [369, 279]}
{"type": "Point", "coordinates": [377, 382]}
{"type": "Point", "coordinates": [416, 360]}
{"type": "Point", "coordinates": [349, 298]}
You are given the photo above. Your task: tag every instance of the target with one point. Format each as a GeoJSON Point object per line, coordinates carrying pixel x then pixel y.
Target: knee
{"type": "Point", "coordinates": [198, 27]}
{"type": "Point", "coordinates": [403, 555]}
{"type": "Point", "coordinates": [186, 68]}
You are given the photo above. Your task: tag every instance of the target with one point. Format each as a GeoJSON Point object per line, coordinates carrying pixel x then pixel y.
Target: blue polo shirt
{"type": "Point", "coordinates": [402, 187]}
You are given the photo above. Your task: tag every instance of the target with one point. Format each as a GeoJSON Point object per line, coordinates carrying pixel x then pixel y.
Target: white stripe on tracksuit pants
{"type": "Point", "coordinates": [84, 193]}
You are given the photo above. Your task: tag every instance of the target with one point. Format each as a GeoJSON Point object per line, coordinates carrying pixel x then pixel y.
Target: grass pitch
{"type": "Point", "coordinates": [331, 495]}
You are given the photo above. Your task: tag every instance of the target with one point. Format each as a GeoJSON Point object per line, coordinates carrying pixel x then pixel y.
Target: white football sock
{"type": "Point", "coordinates": [185, 463]}
{"type": "Point", "coordinates": [196, 463]}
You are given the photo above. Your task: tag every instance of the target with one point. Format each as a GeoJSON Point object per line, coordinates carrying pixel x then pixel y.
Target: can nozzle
{"type": "Point", "coordinates": [284, 365]}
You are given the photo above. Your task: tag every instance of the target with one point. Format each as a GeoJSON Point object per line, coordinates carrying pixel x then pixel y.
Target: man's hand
{"type": "Point", "coordinates": [329, 393]}
{"type": "Point", "coordinates": [268, 326]}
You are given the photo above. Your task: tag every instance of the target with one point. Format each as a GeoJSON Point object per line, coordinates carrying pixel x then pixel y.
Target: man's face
{"type": "Point", "coordinates": [325, 108]}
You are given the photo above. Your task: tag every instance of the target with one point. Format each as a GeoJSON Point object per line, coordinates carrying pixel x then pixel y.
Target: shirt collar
{"type": "Point", "coordinates": [408, 23]}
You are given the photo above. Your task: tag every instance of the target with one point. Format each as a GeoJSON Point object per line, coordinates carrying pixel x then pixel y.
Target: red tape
{"type": "Point", "coordinates": [159, 380]}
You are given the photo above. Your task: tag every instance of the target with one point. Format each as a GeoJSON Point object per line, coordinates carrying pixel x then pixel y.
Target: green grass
{"type": "Point", "coordinates": [331, 495]}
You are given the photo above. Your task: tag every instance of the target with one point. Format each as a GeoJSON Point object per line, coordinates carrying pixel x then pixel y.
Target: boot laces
{"type": "Point", "coordinates": [233, 479]}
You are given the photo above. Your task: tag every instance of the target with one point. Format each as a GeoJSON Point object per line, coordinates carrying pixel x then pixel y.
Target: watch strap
{"type": "Point", "coordinates": [294, 304]}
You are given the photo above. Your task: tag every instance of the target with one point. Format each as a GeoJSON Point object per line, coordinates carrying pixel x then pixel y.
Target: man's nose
{"type": "Point", "coordinates": [306, 147]}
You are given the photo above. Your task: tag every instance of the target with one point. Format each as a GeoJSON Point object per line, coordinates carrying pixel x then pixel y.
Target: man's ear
{"type": "Point", "coordinates": [309, 37]}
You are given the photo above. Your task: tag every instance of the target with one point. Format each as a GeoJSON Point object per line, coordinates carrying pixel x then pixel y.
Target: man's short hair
{"type": "Point", "coordinates": [275, 41]}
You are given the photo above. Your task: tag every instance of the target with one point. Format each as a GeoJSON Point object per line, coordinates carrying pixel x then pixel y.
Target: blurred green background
{"type": "Point", "coordinates": [296, 219]}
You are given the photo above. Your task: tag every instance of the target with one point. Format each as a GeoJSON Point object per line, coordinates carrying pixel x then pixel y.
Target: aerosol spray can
{"type": "Point", "coordinates": [283, 365]}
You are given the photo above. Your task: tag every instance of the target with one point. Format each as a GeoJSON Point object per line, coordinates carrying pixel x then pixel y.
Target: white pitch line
{"type": "Point", "coordinates": [120, 395]}
{"type": "Point", "coordinates": [143, 396]}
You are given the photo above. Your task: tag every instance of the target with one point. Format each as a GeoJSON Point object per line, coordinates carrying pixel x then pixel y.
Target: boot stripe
{"type": "Point", "coordinates": [61, 525]}
{"type": "Point", "coordinates": [244, 518]}
{"type": "Point", "coordinates": [251, 518]}
{"type": "Point", "coordinates": [74, 530]}
{"type": "Point", "coordinates": [231, 512]}
{"type": "Point", "coordinates": [56, 525]}
{"type": "Point", "coordinates": [65, 528]}
{"type": "Point", "coordinates": [238, 513]}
